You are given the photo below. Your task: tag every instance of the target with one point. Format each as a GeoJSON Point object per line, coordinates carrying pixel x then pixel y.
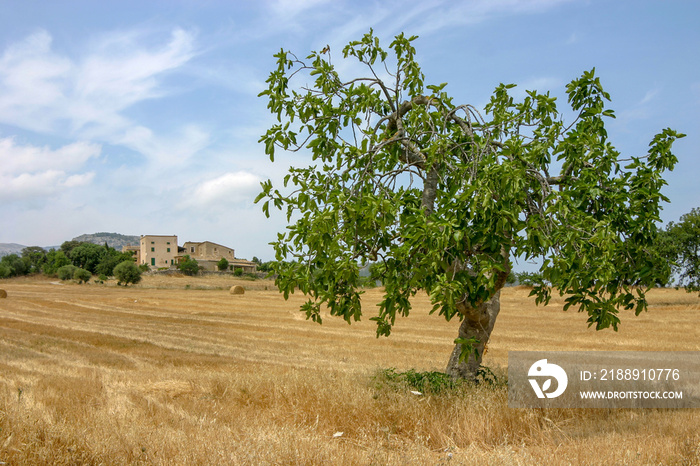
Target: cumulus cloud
{"type": "Point", "coordinates": [31, 172]}
{"type": "Point", "coordinates": [229, 188]}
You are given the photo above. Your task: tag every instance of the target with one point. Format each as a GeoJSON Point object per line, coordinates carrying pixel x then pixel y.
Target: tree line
{"type": "Point", "coordinates": [73, 260]}
{"type": "Point", "coordinates": [679, 243]}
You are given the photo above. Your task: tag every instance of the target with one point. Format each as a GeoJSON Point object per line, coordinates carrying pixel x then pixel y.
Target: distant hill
{"type": "Point", "coordinates": [114, 240]}
{"type": "Point", "coordinates": [11, 248]}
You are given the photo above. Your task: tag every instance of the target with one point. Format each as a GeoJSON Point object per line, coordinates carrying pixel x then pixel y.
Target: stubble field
{"type": "Point", "coordinates": [178, 371]}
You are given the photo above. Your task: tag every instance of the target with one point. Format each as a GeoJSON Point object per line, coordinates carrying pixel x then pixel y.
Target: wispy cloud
{"type": "Point", "coordinates": [649, 96]}
{"type": "Point", "coordinates": [446, 14]}
{"type": "Point", "coordinates": [291, 8]}
{"type": "Point", "coordinates": [639, 111]}
{"type": "Point", "coordinates": [167, 150]}
{"type": "Point", "coordinates": [85, 97]}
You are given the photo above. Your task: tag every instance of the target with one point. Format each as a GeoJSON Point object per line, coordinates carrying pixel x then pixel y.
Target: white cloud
{"type": "Point", "coordinates": [119, 73]}
{"type": "Point", "coordinates": [85, 97]}
{"type": "Point", "coordinates": [225, 190]}
{"type": "Point", "coordinates": [640, 110]}
{"type": "Point", "coordinates": [42, 184]}
{"type": "Point", "coordinates": [477, 11]}
{"type": "Point", "coordinates": [289, 8]}
{"type": "Point", "coordinates": [15, 158]}
{"type": "Point", "coordinates": [649, 96]}
{"type": "Point", "coordinates": [31, 172]}
{"type": "Point", "coordinates": [165, 151]}
{"type": "Point", "coordinates": [33, 83]}
{"type": "Point", "coordinates": [82, 179]}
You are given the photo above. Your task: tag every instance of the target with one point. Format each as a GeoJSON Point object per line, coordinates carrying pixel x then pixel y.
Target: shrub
{"type": "Point", "coordinates": [432, 382]}
{"type": "Point", "coordinates": [222, 264]}
{"type": "Point", "coordinates": [188, 266]}
{"type": "Point", "coordinates": [66, 272]}
{"type": "Point", "coordinates": [82, 275]}
{"type": "Point", "coordinates": [127, 272]}
{"type": "Point", "coordinates": [238, 272]}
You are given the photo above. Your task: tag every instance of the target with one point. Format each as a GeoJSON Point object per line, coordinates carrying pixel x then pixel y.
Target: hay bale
{"type": "Point", "coordinates": [3, 294]}
{"type": "Point", "coordinates": [237, 289]}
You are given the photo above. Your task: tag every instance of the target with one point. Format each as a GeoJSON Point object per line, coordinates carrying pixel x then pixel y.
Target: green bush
{"type": "Point", "coordinates": [188, 266]}
{"type": "Point", "coordinates": [13, 266]}
{"type": "Point", "coordinates": [82, 275]}
{"type": "Point", "coordinates": [222, 264]}
{"type": "Point", "coordinates": [432, 382]}
{"type": "Point", "coordinates": [66, 272]}
{"type": "Point", "coordinates": [238, 272]}
{"type": "Point", "coordinates": [127, 272]}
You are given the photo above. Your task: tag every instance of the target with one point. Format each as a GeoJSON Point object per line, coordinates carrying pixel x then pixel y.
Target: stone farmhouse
{"type": "Point", "coordinates": [162, 251]}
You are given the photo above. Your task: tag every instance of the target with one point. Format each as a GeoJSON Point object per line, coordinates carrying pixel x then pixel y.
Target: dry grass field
{"type": "Point", "coordinates": [178, 371]}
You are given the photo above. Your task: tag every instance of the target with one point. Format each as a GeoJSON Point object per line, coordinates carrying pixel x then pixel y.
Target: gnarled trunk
{"type": "Point", "coordinates": [478, 323]}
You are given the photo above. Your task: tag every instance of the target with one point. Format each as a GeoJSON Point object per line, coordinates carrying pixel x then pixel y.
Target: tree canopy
{"type": "Point", "coordinates": [127, 272]}
{"type": "Point", "coordinates": [680, 242]}
{"type": "Point", "coordinates": [443, 195]}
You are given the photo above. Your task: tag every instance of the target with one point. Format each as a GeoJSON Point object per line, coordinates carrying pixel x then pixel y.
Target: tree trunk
{"type": "Point", "coordinates": [477, 323]}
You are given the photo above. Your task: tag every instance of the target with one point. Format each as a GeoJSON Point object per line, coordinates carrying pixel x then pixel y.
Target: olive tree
{"type": "Point", "coordinates": [443, 196]}
{"type": "Point", "coordinates": [127, 272]}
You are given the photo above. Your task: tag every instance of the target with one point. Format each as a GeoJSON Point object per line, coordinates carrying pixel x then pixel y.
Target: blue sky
{"type": "Point", "coordinates": [143, 117]}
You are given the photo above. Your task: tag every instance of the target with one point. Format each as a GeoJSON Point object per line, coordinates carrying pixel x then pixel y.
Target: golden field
{"type": "Point", "coordinates": [178, 371]}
